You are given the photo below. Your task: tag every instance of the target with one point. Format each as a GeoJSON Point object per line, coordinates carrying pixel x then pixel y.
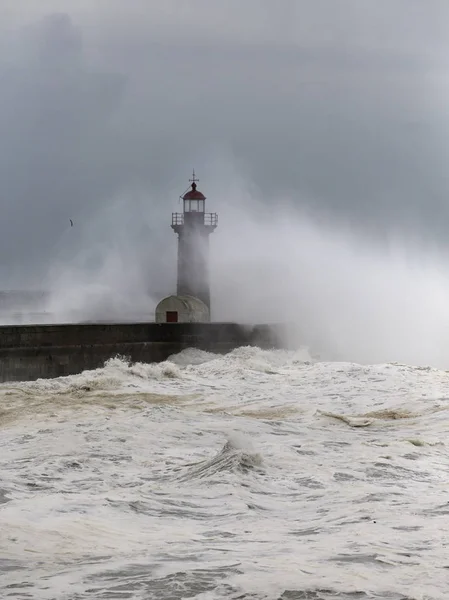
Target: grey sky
{"type": "Point", "coordinates": [339, 105]}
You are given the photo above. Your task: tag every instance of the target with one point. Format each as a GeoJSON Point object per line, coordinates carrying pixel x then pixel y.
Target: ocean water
{"type": "Point", "coordinates": [256, 475]}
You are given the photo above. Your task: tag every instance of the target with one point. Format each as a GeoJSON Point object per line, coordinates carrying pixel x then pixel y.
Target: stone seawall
{"type": "Point", "coordinates": [43, 351]}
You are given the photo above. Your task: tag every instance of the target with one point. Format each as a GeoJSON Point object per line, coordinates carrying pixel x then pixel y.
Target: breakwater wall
{"type": "Point", "coordinates": [29, 352]}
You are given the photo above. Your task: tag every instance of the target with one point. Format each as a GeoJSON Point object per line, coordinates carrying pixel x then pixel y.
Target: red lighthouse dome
{"type": "Point", "coordinates": [194, 194]}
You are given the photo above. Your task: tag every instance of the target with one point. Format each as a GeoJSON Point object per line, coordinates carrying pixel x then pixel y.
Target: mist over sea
{"type": "Point", "coordinates": [255, 475]}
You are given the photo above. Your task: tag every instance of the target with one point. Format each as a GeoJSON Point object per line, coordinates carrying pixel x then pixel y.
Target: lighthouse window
{"type": "Point", "coordinates": [193, 205]}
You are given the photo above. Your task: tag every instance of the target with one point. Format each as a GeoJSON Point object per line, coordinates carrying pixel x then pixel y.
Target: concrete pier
{"type": "Point", "coordinates": [32, 352]}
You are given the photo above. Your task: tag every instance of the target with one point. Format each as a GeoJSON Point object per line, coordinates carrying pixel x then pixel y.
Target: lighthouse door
{"type": "Point", "coordinates": [171, 316]}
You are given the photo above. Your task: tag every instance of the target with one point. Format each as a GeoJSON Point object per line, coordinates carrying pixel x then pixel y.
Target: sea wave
{"type": "Point", "coordinates": [256, 474]}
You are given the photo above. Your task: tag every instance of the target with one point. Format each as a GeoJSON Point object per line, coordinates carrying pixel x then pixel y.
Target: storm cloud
{"type": "Point", "coordinates": [338, 108]}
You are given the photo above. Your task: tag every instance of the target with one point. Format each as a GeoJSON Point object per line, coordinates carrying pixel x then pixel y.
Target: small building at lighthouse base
{"type": "Point", "coordinates": [182, 309]}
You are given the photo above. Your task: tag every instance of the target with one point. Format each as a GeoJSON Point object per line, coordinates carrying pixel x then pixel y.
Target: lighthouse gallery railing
{"type": "Point", "coordinates": [210, 219]}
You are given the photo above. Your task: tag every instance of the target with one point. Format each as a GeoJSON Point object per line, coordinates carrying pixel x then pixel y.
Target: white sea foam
{"type": "Point", "coordinates": [258, 474]}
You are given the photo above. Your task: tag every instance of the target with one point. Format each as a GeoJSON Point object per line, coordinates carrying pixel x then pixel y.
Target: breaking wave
{"type": "Point", "coordinates": [237, 455]}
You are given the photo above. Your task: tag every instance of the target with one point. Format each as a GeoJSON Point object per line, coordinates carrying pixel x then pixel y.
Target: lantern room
{"type": "Point", "coordinates": [194, 200]}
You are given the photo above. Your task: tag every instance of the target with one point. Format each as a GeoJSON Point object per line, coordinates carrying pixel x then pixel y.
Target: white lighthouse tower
{"type": "Point", "coordinates": [193, 227]}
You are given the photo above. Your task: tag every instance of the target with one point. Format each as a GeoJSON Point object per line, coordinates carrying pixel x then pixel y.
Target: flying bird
{"type": "Point", "coordinates": [71, 223]}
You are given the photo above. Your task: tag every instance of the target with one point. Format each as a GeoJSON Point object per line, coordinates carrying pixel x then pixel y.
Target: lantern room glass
{"type": "Point", "coordinates": [194, 206]}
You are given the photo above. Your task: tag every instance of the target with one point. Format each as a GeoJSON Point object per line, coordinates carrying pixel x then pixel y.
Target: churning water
{"type": "Point", "coordinates": [255, 475]}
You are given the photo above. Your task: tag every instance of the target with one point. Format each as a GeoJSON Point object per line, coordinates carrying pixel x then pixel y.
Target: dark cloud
{"type": "Point", "coordinates": [57, 149]}
{"type": "Point", "coordinates": [337, 107]}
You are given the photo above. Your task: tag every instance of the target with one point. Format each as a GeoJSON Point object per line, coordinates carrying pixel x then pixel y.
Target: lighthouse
{"type": "Point", "coordinates": [194, 227]}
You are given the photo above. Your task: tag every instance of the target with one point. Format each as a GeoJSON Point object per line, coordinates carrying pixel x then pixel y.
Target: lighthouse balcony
{"type": "Point", "coordinates": [206, 219]}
